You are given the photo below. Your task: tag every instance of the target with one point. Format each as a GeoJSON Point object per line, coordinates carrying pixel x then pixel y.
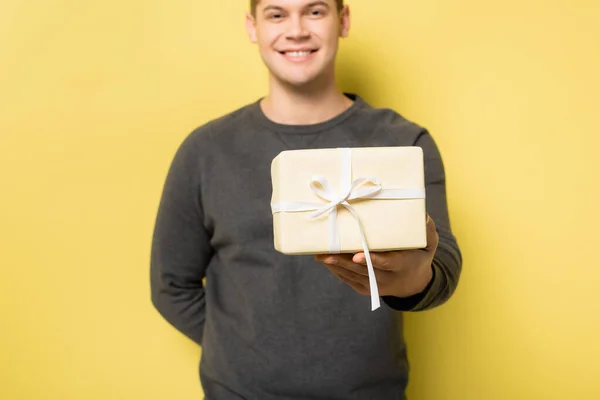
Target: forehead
{"type": "Point", "coordinates": [293, 3]}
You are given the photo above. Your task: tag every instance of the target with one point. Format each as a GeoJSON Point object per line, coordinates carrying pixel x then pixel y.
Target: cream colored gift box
{"type": "Point", "coordinates": [395, 223]}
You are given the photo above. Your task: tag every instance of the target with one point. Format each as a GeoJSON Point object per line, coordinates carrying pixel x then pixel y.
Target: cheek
{"type": "Point", "coordinates": [332, 40]}
{"type": "Point", "coordinates": [267, 47]}
{"type": "Point", "coordinates": [330, 43]}
{"type": "Point", "coordinates": [265, 50]}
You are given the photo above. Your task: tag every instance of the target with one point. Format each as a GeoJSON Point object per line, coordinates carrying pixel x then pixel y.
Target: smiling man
{"type": "Point", "coordinates": [275, 327]}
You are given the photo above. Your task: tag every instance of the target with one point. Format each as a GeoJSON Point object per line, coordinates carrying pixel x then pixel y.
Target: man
{"type": "Point", "coordinates": [272, 326]}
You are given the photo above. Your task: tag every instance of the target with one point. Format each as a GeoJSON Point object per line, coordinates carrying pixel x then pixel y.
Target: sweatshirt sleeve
{"type": "Point", "coordinates": [180, 247]}
{"type": "Point", "coordinates": [447, 261]}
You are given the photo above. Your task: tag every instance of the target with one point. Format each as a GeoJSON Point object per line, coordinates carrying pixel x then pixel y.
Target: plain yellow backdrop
{"type": "Point", "coordinates": [95, 96]}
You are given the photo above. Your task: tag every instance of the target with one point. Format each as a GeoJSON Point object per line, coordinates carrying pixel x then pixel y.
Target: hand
{"type": "Point", "coordinates": [398, 273]}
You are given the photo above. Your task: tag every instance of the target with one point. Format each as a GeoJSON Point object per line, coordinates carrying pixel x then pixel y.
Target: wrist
{"type": "Point", "coordinates": [424, 279]}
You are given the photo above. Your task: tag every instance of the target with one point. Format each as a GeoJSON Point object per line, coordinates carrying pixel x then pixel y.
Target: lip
{"type": "Point", "coordinates": [311, 49]}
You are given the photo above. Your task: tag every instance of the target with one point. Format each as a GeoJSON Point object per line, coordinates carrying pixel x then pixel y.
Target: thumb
{"type": "Point", "coordinates": [432, 235]}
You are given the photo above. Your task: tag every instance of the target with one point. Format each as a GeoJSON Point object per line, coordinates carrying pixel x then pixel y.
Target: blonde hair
{"type": "Point", "coordinates": [253, 3]}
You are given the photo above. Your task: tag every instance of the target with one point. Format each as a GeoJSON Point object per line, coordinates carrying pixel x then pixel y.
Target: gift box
{"type": "Point", "coordinates": [389, 223]}
{"type": "Point", "coordinates": [347, 200]}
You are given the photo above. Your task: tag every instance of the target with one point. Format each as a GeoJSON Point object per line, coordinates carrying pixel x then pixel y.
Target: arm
{"type": "Point", "coordinates": [180, 247]}
{"type": "Point", "coordinates": [411, 280]}
{"type": "Point", "coordinates": [447, 260]}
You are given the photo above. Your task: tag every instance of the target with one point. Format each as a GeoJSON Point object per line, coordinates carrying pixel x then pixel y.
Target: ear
{"type": "Point", "coordinates": [251, 27]}
{"type": "Point", "coordinates": [345, 21]}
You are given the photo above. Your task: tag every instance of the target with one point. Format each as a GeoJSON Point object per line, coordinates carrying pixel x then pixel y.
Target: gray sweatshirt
{"type": "Point", "coordinates": [274, 326]}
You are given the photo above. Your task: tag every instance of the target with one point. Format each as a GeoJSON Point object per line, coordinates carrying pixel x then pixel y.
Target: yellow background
{"type": "Point", "coordinates": [95, 96]}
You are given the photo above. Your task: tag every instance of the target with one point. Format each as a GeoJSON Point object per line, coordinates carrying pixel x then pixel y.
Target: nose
{"type": "Point", "coordinates": [296, 29]}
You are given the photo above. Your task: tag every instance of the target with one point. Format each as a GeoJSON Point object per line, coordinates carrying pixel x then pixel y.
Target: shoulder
{"type": "Point", "coordinates": [201, 141]}
{"type": "Point", "coordinates": [213, 129]}
{"type": "Point", "coordinates": [390, 121]}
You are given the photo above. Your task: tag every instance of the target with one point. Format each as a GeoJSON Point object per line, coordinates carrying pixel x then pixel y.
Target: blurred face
{"type": "Point", "coordinates": [298, 39]}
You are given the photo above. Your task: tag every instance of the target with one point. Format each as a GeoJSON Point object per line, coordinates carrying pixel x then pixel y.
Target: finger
{"type": "Point", "coordinates": [384, 261]}
{"type": "Point", "coordinates": [352, 276]}
{"type": "Point", "coordinates": [358, 287]}
{"type": "Point", "coordinates": [381, 277]}
{"type": "Point", "coordinates": [359, 258]}
{"type": "Point", "coordinates": [346, 262]}
{"type": "Point", "coordinates": [332, 259]}
{"type": "Point", "coordinates": [343, 260]}
{"type": "Point", "coordinates": [321, 257]}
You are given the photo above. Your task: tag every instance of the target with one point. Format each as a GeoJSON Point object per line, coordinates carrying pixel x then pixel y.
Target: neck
{"type": "Point", "coordinates": [314, 103]}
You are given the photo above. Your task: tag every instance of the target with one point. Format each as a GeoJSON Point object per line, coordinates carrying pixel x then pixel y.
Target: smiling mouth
{"type": "Point", "coordinates": [302, 53]}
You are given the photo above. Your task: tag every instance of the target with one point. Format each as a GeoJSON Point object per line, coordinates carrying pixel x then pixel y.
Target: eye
{"type": "Point", "coordinates": [274, 16]}
{"type": "Point", "coordinates": [317, 12]}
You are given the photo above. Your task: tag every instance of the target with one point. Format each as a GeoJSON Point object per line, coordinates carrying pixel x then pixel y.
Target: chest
{"type": "Point", "coordinates": [236, 199]}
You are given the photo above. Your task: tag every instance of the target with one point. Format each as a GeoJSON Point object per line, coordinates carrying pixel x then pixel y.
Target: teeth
{"type": "Point", "coordinates": [298, 53]}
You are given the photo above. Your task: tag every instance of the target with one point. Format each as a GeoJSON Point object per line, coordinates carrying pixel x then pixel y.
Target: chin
{"type": "Point", "coordinates": [297, 81]}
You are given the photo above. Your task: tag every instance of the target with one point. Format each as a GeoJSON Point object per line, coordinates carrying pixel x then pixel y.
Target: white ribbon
{"type": "Point", "coordinates": [350, 190]}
